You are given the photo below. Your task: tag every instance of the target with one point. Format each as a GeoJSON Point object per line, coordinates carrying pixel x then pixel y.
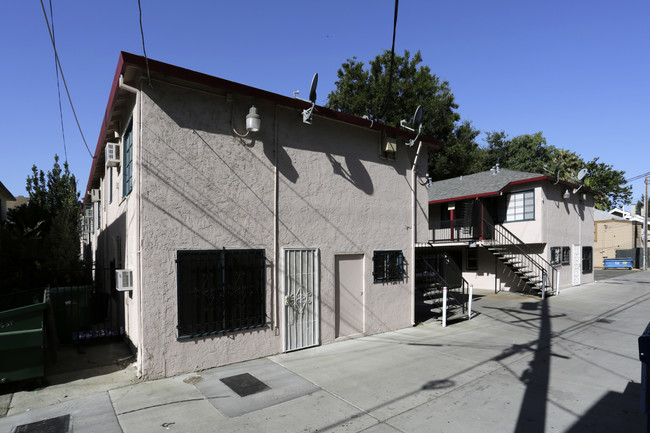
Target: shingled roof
{"type": "Point", "coordinates": [484, 184]}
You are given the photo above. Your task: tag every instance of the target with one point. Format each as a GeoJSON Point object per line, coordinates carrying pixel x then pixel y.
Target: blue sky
{"type": "Point", "coordinates": [576, 70]}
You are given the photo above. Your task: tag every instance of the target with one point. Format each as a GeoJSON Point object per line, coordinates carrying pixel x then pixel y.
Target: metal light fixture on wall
{"type": "Point", "coordinates": [253, 122]}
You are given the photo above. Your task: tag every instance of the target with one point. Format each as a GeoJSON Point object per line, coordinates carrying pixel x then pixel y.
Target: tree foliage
{"type": "Point", "coordinates": [39, 242]}
{"type": "Point", "coordinates": [364, 91]}
{"type": "Point", "coordinates": [603, 178]}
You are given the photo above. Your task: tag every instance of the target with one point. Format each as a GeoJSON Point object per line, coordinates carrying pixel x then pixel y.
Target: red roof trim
{"type": "Point", "coordinates": [510, 184]}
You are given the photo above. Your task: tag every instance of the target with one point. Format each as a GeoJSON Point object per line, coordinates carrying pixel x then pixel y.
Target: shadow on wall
{"type": "Point", "coordinates": [354, 172]}
{"type": "Point", "coordinates": [111, 248]}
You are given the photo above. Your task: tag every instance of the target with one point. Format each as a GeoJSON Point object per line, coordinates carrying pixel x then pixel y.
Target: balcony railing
{"type": "Point", "coordinates": [458, 231]}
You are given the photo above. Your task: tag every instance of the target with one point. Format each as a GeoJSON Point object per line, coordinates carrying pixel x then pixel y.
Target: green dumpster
{"type": "Point", "coordinates": [22, 343]}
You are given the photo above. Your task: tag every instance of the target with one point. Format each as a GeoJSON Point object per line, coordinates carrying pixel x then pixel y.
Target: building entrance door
{"type": "Point", "coordinates": [349, 294]}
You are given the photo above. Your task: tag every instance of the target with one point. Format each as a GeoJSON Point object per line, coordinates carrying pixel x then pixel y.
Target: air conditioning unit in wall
{"type": "Point", "coordinates": [123, 279]}
{"type": "Point", "coordinates": [112, 154]}
{"type": "Point", "coordinates": [95, 195]}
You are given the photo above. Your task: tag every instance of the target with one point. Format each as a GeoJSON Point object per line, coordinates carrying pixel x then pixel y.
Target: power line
{"type": "Point", "coordinates": [65, 84]}
{"type": "Point", "coordinates": [637, 177]}
{"type": "Point", "coordinates": [144, 50]}
{"type": "Point", "coordinates": [58, 87]}
{"type": "Point", "coordinates": [392, 62]}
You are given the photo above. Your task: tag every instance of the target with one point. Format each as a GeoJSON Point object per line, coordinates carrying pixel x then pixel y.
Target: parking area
{"type": "Point", "coordinates": [604, 274]}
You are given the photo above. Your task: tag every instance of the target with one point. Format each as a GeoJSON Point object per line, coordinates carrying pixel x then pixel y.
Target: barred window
{"type": "Point", "coordinates": [566, 255]}
{"type": "Point", "coordinates": [587, 260]}
{"type": "Point", "coordinates": [472, 259]}
{"type": "Point", "coordinates": [220, 291]}
{"type": "Point", "coordinates": [556, 255]}
{"type": "Point", "coordinates": [388, 266]}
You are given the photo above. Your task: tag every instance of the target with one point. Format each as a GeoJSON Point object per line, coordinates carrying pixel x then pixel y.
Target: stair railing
{"type": "Point", "coordinates": [539, 269]}
{"type": "Point", "coordinates": [460, 293]}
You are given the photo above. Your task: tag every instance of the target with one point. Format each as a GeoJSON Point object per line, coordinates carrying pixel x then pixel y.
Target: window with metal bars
{"type": "Point", "coordinates": [587, 260]}
{"type": "Point", "coordinates": [220, 291]}
{"type": "Point", "coordinates": [388, 266]}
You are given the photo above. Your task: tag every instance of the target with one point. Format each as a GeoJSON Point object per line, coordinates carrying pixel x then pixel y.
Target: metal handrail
{"type": "Point", "coordinates": [454, 267]}
{"type": "Point", "coordinates": [532, 259]}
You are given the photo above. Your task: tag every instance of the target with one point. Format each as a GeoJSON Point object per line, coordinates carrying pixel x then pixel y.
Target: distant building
{"type": "Point", "coordinates": [5, 198]}
{"type": "Point", "coordinates": [618, 234]}
{"type": "Point", "coordinates": [512, 230]}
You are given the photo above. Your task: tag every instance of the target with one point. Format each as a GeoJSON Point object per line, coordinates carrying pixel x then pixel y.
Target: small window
{"type": "Point", "coordinates": [99, 215]}
{"type": "Point", "coordinates": [566, 255]}
{"type": "Point", "coordinates": [556, 255]}
{"type": "Point", "coordinates": [220, 291]}
{"type": "Point", "coordinates": [587, 260]}
{"type": "Point", "coordinates": [127, 170]}
{"type": "Point", "coordinates": [388, 266]}
{"type": "Point", "coordinates": [472, 259]}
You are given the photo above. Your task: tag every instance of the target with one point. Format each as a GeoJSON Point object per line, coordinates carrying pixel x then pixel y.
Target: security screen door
{"type": "Point", "coordinates": [301, 294]}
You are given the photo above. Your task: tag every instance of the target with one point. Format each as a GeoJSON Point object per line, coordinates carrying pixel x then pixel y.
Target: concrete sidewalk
{"type": "Point", "coordinates": [569, 364]}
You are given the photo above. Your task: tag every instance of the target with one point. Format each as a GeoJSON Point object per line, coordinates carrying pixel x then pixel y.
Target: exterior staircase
{"type": "Point", "coordinates": [429, 284]}
{"type": "Point", "coordinates": [537, 274]}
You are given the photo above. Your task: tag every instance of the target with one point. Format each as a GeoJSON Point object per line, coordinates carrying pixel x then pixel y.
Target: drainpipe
{"type": "Point", "coordinates": [138, 110]}
{"type": "Point", "coordinates": [414, 228]}
{"type": "Point", "coordinates": [276, 225]}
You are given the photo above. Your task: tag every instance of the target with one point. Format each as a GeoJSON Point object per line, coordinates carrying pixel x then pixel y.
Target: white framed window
{"type": "Point", "coordinates": [520, 206]}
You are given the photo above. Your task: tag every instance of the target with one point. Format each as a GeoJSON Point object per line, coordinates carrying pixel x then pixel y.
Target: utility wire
{"type": "Point", "coordinates": [392, 62]}
{"type": "Point", "coordinates": [637, 177]}
{"type": "Point", "coordinates": [144, 50]}
{"type": "Point", "coordinates": [58, 62]}
{"type": "Point", "coordinates": [58, 86]}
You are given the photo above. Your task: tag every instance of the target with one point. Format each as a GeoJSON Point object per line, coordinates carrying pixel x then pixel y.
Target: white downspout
{"type": "Point", "coordinates": [276, 227]}
{"type": "Point", "coordinates": [138, 110]}
{"type": "Point", "coordinates": [414, 229]}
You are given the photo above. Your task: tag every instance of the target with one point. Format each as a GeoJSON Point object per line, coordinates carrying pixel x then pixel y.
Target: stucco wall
{"type": "Point", "coordinates": [205, 188]}
{"type": "Point", "coordinates": [530, 232]}
{"type": "Point", "coordinates": [568, 223]}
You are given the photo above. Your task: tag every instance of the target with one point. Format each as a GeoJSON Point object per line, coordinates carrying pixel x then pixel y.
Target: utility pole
{"type": "Point", "coordinates": [645, 226]}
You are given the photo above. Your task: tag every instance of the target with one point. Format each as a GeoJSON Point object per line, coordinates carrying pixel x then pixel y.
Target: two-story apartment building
{"type": "Point", "coordinates": [230, 223]}
{"type": "Point", "coordinates": [512, 230]}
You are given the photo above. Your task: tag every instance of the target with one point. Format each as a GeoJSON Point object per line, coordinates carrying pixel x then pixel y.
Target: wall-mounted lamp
{"type": "Point", "coordinates": [566, 194]}
{"type": "Point", "coordinates": [428, 182]}
{"type": "Point", "coordinates": [253, 122]}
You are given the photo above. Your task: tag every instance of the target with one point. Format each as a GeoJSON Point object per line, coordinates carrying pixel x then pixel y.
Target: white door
{"type": "Point", "coordinates": [301, 291]}
{"type": "Point", "coordinates": [349, 295]}
{"type": "Point", "coordinates": [577, 264]}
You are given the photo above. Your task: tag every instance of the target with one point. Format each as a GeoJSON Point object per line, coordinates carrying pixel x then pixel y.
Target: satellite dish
{"type": "Point", "coordinates": [307, 114]}
{"type": "Point", "coordinates": [417, 118]}
{"type": "Point", "coordinates": [312, 89]}
{"type": "Point", "coordinates": [581, 174]}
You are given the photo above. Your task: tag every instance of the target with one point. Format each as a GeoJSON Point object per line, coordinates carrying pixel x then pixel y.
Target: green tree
{"type": "Point", "coordinates": [364, 91]}
{"type": "Point", "coordinates": [640, 207]}
{"type": "Point", "coordinates": [528, 152]}
{"type": "Point", "coordinates": [40, 242]}
{"type": "Point", "coordinates": [460, 155]}
{"type": "Point", "coordinates": [611, 183]}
